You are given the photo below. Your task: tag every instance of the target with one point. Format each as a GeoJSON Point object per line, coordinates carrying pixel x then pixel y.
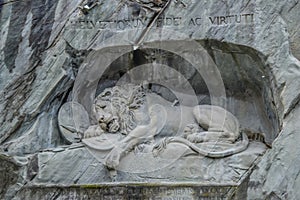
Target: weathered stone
{"type": "Point", "coordinates": [134, 191]}
{"type": "Point", "coordinates": [49, 49]}
{"type": "Point", "coordinates": [13, 175]}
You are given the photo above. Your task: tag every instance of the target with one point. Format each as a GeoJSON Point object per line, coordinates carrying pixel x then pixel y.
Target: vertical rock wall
{"type": "Point", "coordinates": [40, 56]}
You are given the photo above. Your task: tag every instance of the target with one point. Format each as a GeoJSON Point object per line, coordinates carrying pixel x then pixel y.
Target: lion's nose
{"type": "Point", "coordinates": [104, 117]}
{"type": "Point", "coordinates": [101, 118]}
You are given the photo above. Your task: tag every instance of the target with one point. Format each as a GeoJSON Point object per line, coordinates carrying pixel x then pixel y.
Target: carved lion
{"type": "Point", "coordinates": [132, 111]}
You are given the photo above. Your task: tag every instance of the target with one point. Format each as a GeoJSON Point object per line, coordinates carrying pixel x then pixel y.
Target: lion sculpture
{"type": "Point", "coordinates": [141, 116]}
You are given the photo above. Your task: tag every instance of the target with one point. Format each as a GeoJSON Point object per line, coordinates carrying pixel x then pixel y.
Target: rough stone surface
{"type": "Point", "coordinates": [78, 166]}
{"type": "Point", "coordinates": [45, 44]}
{"type": "Point", "coordinates": [135, 191]}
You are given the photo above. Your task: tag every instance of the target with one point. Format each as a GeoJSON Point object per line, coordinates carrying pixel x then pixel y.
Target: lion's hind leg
{"type": "Point", "coordinates": [220, 124]}
{"type": "Point", "coordinates": [210, 136]}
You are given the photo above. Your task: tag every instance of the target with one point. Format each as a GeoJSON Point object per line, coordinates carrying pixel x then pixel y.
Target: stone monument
{"type": "Point", "coordinates": [140, 99]}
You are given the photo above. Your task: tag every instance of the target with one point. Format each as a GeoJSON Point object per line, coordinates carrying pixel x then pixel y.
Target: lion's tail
{"type": "Point", "coordinates": [237, 148]}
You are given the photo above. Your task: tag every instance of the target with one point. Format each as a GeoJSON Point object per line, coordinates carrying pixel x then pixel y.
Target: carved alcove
{"type": "Point", "coordinates": [248, 95]}
{"type": "Point", "coordinates": [247, 80]}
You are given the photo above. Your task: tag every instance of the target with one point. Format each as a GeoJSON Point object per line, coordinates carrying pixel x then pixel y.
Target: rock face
{"type": "Point", "coordinates": [53, 52]}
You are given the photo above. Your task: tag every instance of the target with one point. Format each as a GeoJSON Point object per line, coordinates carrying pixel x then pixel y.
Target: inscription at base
{"type": "Point", "coordinates": [131, 192]}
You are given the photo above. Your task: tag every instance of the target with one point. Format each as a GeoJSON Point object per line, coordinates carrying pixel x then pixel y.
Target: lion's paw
{"type": "Point", "coordinates": [113, 159]}
{"type": "Point", "coordinates": [159, 147]}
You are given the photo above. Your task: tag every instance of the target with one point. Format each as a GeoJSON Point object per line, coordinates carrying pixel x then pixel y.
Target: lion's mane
{"type": "Point", "coordinates": [121, 101]}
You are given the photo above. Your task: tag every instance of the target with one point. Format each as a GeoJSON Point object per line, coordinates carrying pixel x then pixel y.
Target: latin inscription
{"type": "Point", "coordinates": [245, 18]}
{"type": "Point", "coordinates": [136, 192]}
{"type": "Point", "coordinates": [232, 19]}
{"type": "Point", "coordinates": [164, 193]}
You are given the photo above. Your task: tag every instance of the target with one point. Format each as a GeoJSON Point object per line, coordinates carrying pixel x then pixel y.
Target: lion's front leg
{"type": "Point", "coordinates": [113, 158]}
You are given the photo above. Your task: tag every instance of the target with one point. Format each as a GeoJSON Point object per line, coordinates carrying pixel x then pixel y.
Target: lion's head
{"type": "Point", "coordinates": [114, 107]}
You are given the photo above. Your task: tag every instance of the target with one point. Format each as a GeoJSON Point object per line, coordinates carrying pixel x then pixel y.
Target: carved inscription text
{"type": "Point", "coordinates": [171, 21]}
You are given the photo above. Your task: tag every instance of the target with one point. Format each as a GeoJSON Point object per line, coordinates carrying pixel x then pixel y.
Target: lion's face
{"type": "Point", "coordinates": [114, 108]}
{"type": "Point", "coordinates": [108, 121]}
{"type": "Point", "coordinates": [113, 125]}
